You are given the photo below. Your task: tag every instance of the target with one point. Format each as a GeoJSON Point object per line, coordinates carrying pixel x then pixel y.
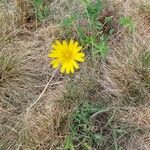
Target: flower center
{"type": "Point", "coordinates": [68, 55]}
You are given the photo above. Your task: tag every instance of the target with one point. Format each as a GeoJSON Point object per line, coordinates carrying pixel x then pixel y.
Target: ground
{"type": "Point", "coordinates": [105, 105]}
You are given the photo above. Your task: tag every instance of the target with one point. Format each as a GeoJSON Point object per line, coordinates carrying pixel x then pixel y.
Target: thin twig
{"type": "Point", "coordinates": [48, 83]}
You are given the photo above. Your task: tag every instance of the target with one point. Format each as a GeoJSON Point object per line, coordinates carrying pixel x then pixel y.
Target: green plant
{"type": "Point", "coordinates": [91, 34]}
{"type": "Point", "coordinates": [97, 39]}
{"type": "Point", "coordinates": [94, 10]}
{"type": "Point", "coordinates": [41, 9]}
{"type": "Point", "coordinates": [127, 22]}
{"type": "Point", "coordinates": [69, 144]}
{"type": "Point", "coordinates": [96, 127]}
{"type": "Point", "coordinates": [81, 134]}
{"type": "Point", "coordinates": [102, 47]}
{"type": "Point", "coordinates": [68, 22]}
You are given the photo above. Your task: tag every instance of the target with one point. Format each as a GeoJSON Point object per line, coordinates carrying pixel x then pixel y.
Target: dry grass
{"type": "Point", "coordinates": [123, 79]}
{"type": "Point", "coordinates": [120, 82]}
{"type": "Point", "coordinates": [24, 72]}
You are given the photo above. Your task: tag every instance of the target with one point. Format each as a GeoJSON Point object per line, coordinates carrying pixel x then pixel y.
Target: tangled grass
{"type": "Point", "coordinates": [103, 106]}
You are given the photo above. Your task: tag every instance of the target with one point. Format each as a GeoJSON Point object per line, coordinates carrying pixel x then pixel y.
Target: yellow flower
{"type": "Point", "coordinates": [66, 55]}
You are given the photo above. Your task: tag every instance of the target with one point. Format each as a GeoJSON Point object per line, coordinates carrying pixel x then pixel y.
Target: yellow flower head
{"type": "Point", "coordinates": [66, 55]}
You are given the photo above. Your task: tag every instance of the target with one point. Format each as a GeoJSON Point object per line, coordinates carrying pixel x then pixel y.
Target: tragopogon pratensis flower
{"type": "Point", "coordinates": [66, 55]}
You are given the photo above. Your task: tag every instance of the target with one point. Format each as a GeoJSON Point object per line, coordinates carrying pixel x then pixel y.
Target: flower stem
{"type": "Point", "coordinates": [44, 90]}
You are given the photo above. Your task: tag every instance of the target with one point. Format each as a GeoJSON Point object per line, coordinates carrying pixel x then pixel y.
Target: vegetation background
{"type": "Point", "coordinates": [103, 106]}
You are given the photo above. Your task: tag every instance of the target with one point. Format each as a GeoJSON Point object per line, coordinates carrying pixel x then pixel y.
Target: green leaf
{"type": "Point", "coordinates": [101, 48]}
{"type": "Point", "coordinates": [94, 9]}
{"type": "Point", "coordinates": [38, 2]}
{"type": "Point", "coordinates": [69, 144]}
{"type": "Point", "coordinates": [41, 9]}
{"type": "Point", "coordinates": [127, 22]}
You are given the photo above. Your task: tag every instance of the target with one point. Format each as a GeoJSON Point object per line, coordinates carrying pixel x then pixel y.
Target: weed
{"type": "Point", "coordinates": [127, 22]}
{"type": "Point", "coordinates": [69, 144]}
{"type": "Point", "coordinates": [102, 47]}
{"type": "Point", "coordinates": [94, 10]}
{"type": "Point", "coordinates": [81, 135]}
{"type": "Point", "coordinates": [91, 34]}
{"type": "Point", "coordinates": [41, 9]}
{"type": "Point", "coordinates": [97, 127]}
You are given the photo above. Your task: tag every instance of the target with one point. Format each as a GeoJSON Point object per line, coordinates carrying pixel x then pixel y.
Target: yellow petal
{"type": "Point", "coordinates": [80, 54]}
{"type": "Point", "coordinates": [72, 69]}
{"type": "Point", "coordinates": [63, 68]}
{"type": "Point", "coordinates": [53, 55]}
{"type": "Point", "coordinates": [58, 43]}
{"type": "Point", "coordinates": [71, 43]}
{"type": "Point", "coordinates": [74, 64]}
{"type": "Point", "coordinates": [79, 57]}
{"type": "Point", "coordinates": [64, 43]}
{"type": "Point", "coordinates": [76, 44]}
{"type": "Point", "coordinates": [67, 69]}
{"type": "Point", "coordinates": [79, 48]}
{"type": "Point", "coordinates": [55, 63]}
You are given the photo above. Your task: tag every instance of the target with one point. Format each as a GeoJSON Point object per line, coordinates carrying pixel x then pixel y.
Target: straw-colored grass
{"type": "Point", "coordinates": [119, 84]}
